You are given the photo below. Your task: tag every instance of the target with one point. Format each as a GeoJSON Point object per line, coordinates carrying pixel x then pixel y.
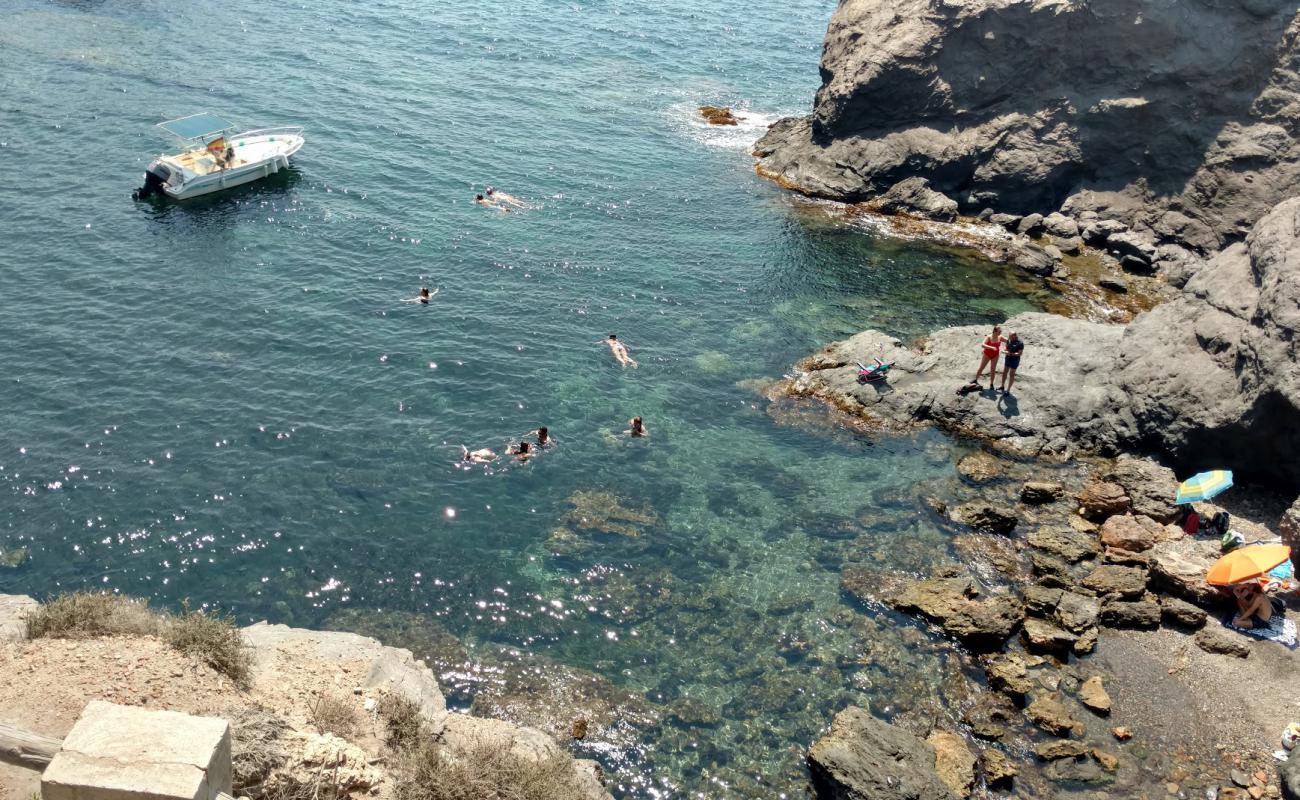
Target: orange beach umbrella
{"type": "Point", "coordinates": [1246, 563]}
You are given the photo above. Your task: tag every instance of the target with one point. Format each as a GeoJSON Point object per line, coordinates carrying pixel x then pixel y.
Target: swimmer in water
{"type": "Point", "coordinates": [502, 197]}
{"type": "Point", "coordinates": [523, 450]}
{"type": "Point", "coordinates": [481, 456]}
{"type": "Point", "coordinates": [638, 428]}
{"type": "Point", "coordinates": [543, 436]}
{"type": "Point", "coordinates": [619, 350]}
{"type": "Point", "coordinates": [424, 296]}
{"type": "Point", "coordinates": [486, 203]}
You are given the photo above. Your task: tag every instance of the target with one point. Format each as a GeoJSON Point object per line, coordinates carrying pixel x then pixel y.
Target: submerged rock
{"type": "Point", "coordinates": [1041, 492]}
{"type": "Point", "coordinates": [1094, 696]}
{"type": "Point", "coordinates": [1006, 673]}
{"type": "Point", "coordinates": [980, 468]}
{"type": "Point", "coordinates": [984, 517]}
{"type": "Point", "coordinates": [863, 758]}
{"type": "Point", "coordinates": [956, 605]}
{"type": "Point", "coordinates": [1048, 713]}
{"type": "Point", "coordinates": [718, 115]}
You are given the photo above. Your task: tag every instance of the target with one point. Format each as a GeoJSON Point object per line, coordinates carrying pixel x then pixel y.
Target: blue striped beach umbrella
{"type": "Point", "coordinates": [1204, 486]}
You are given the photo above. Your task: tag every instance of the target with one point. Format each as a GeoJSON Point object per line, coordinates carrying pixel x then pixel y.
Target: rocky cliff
{"type": "Point", "coordinates": [1176, 118]}
{"type": "Point", "coordinates": [1210, 379]}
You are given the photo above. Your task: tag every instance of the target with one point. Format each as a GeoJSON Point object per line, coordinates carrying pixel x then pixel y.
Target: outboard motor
{"type": "Point", "coordinates": [155, 177]}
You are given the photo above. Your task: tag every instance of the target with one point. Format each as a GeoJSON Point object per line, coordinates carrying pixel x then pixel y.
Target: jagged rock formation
{"type": "Point", "coordinates": [1178, 119]}
{"type": "Point", "coordinates": [1211, 379]}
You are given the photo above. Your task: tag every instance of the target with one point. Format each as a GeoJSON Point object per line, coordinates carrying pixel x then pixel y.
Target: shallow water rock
{"type": "Point", "coordinates": [1006, 673]}
{"type": "Point", "coordinates": [1093, 695]}
{"type": "Point", "coordinates": [1075, 770]}
{"type": "Point", "coordinates": [1151, 487]}
{"type": "Point", "coordinates": [1047, 712]}
{"type": "Point", "coordinates": [953, 761]}
{"type": "Point", "coordinates": [999, 770]}
{"type": "Point", "coordinates": [984, 517]}
{"type": "Point", "coordinates": [1030, 224]}
{"type": "Point", "coordinates": [1041, 492]}
{"type": "Point", "coordinates": [1101, 499]}
{"type": "Point", "coordinates": [956, 605]}
{"type": "Point", "coordinates": [1115, 579]}
{"type": "Point", "coordinates": [1113, 284]}
{"type": "Point", "coordinates": [718, 115]}
{"type": "Point", "coordinates": [1052, 570]}
{"type": "Point", "coordinates": [1070, 545]}
{"type": "Point", "coordinates": [863, 757]}
{"type": "Point", "coordinates": [980, 468]}
{"type": "Point", "coordinates": [989, 716]}
{"type": "Point", "coordinates": [1060, 748]}
{"type": "Point", "coordinates": [1218, 639]}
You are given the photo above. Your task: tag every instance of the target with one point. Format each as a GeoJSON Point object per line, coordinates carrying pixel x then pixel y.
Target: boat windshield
{"type": "Point", "coordinates": [196, 126]}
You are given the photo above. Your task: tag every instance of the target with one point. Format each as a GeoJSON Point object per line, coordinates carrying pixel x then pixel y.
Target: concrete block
{"type": "Point", "coordinates": [14, 609]}
{"type": "Point", "coordinates": [129, 753]}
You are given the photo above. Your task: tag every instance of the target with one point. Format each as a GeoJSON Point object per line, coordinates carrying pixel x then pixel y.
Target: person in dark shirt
{"type": "Point", "coordinates": [1011, 362]}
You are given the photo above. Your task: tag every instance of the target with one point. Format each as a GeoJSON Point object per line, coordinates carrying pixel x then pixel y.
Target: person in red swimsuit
{"type": "Point", "coordinates": [991, 349]}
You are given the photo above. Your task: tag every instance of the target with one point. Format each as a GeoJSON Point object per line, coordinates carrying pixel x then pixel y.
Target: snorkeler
{"type": "Point", "coordinates": [619, 350]}
{"type": "Point", "coordinates": [481, 456]}
{"type": "Point", "coordinates": [638, 428]}
{"type": "Point", "coordinates": [486, 203]}
{"type": "Point", "coordinates": [424, 296]}
{"type": "Point", "coordinates": [501, 197]}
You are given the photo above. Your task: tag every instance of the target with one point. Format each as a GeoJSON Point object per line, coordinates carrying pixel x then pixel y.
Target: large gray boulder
{"type": "Point", "coordinates": [1059, 393]}
{"type": "Point", "coordinates": [915, 197]}
{"type": "Point", "coordinates": [1212, 377]}
{"type": "Point", "coordinates": [1178, 119]}
{"type": "Point", "coordinates": [863, 758]}
{"type": "Point", "coordinates": [981, 620]}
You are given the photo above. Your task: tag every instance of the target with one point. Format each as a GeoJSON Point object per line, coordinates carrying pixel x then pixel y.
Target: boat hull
{"type": "Point", "coordinates": [256, 156]}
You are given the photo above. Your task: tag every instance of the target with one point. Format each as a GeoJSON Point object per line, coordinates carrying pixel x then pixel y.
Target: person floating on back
{"type": "Point", "coordinates": [619, 350]}
{"type": "Point", "coordinates": [990, 351]}
{"type": "Point", "coordinates": [486, 203]}
{"type": "Point", "coordinates": [501, 197]}
{"type": "Point", "coordinates": [1012, 362]}
{"type": "Point", "coordinates": [424, 296]}
{"type": "Point", "coordinates": [483, 455]}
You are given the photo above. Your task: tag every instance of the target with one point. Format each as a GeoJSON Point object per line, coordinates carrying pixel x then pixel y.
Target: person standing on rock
{"type": "Point", "coordinates": [991, 349]}
{"type": "Point", "coordinates": [1012, 362]}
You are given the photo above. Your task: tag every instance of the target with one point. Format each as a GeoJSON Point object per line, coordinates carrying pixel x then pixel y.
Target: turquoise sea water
{"type": "Point", "coordinates": [225, 400]}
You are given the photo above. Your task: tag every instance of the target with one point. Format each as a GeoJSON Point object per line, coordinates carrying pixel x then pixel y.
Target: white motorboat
{"type": "Point", "coordinates": [216, 157]}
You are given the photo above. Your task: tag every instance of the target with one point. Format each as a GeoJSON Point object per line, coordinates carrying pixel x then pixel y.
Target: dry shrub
{"type": "Point", "coordinates": [212, 639]}
{"type": "Point", "coordinates": [334, 714]}
{"type": "Point", "coordinates": [403, 722]}
{"type": "Point", "coordinates": [84, 615]}
{"type": "Point", "coordinates": [483, 772]}
{"type": "Point", "coordinates": [255, 750]}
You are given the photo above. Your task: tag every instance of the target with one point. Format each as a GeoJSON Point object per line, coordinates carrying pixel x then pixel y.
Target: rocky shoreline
{"type": "Point", "coordinates": [1075, 127]}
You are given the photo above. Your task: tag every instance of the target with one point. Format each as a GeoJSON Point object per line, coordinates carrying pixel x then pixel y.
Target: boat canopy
{"type": "Point", "coordinates": [196, 126]}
